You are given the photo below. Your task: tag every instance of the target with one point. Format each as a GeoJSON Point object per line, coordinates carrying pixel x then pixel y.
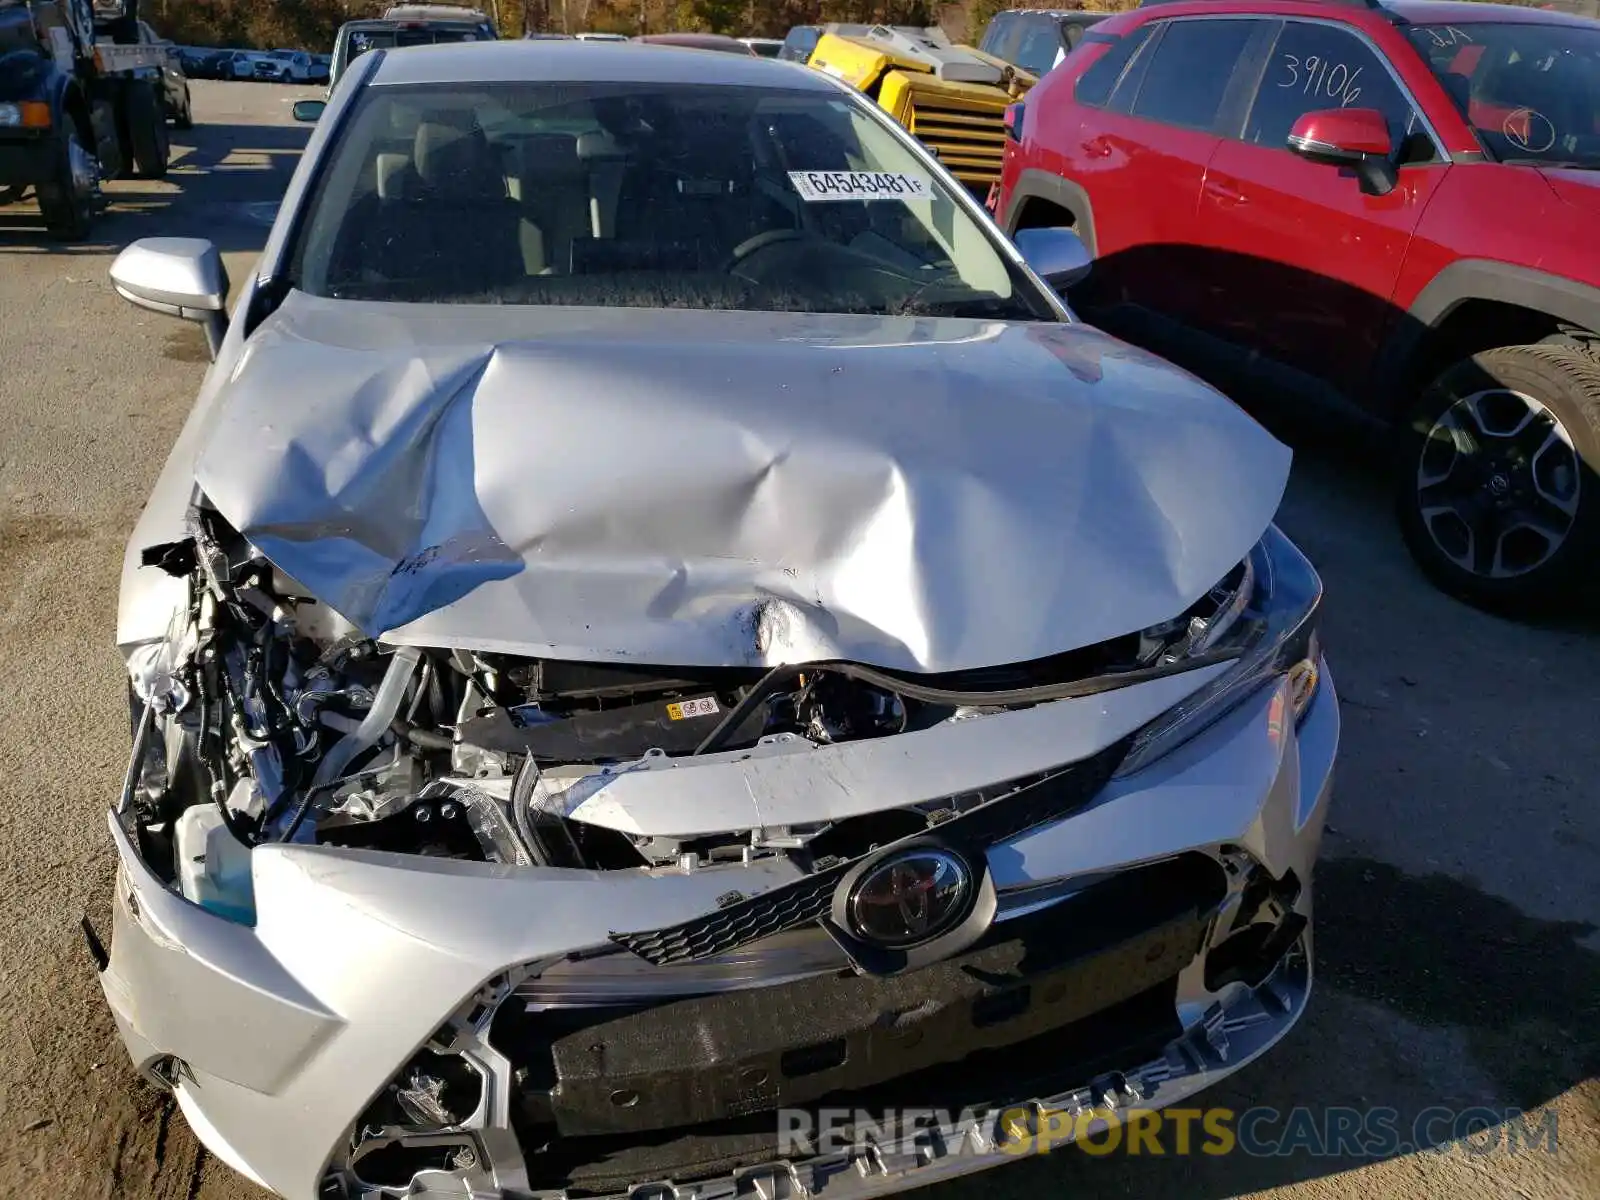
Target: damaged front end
{"type": "Point", "coordinates": [399, 920]}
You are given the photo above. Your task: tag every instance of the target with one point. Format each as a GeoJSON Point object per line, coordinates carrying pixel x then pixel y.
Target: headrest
{"type": "Point", "coordinates": [547, 158]}
{"type": "Point", "coordinates": [599, 145]}
{"type": "Point", "coordinates": [452, 157]}
{"type": "Point", "coordinates": [393, 171]}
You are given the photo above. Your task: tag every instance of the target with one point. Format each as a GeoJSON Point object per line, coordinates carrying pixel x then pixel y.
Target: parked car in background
{"type": "Point", "coordinates": [297, 65]}
{"type": "Point", "coordinates": [546, 36]}
{"type": "Point", "coordinates": [436, 12]}
{"type": "Point", "coordinates": [412, 28]}
{"type": "Point", "coordinates": [1036, 39]}
{"type": "Point", "coordinates": [601, 37]}
{"type": "Point", "coordinates": [267, 69]}
{"type": "Point", "coordinates": [205, 62]}
{"type": "Point", "coordinates": [799, 42]}
{"type": "Point", "coordinates": [765, 47]}
{"type": "Point", "coordinates": [1387, 205]}
{"type": "Point", "coordinates": [175, 101]}
{"type": "Point", "coordinates": [321, 65]}
{"type": "Point", "coordinates": [699, 41]}
{"type": "Point", "coordinates": [974, 748]}
{"type": "Point", "coordinates": [197, 62]}
{"type": "Point", "coordinates": [237, 64]}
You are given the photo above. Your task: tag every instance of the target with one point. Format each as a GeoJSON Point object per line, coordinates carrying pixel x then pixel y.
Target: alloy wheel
{"type": "Point", "coordinates": [1497, 483]}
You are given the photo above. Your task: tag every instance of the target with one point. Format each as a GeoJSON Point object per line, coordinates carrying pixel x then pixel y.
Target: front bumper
{"type": "Point", "coordinates": [933, 1143]}
{"type": "Point", "coordinates": [278, 1038]}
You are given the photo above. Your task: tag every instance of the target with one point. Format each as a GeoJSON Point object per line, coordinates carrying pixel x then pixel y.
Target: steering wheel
{"type": "Point", "coordinates": [761, 241]}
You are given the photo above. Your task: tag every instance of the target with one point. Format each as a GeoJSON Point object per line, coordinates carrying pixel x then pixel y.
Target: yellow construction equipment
{"type": "Point", "coordinates": [952, 98]}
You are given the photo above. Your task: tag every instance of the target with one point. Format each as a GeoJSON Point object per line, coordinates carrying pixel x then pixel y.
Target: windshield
{"type": "Point", "coordinates": [1531, 92]}
{"type": "Point", "coordinates": [683, 195]}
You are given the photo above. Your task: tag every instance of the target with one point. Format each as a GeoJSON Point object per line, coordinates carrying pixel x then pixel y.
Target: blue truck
{"type": "Point", "coordinates": [80, 101]}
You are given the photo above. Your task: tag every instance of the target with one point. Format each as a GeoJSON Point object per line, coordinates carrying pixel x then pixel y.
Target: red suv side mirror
{"type": "Point", "coordinates": [1341, 135]}
{"type": "Point", "coordinates": [1348, 137]}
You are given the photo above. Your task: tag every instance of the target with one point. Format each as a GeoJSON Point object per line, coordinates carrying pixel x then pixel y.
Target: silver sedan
{"type": "Point", "coordinates": [661, 627]}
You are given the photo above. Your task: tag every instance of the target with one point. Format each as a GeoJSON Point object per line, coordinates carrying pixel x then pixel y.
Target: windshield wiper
{"type": "Point", "coordinates": [990, 308]}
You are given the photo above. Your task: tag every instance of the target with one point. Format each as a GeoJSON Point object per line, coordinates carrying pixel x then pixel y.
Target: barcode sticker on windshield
{"type": "Point", "coordinates": [815, 186]}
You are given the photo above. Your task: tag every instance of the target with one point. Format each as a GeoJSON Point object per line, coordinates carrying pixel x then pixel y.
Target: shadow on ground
{"type": "Point", "coordinates": [224, 183]}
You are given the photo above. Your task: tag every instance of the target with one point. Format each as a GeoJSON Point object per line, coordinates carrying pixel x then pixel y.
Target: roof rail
{"type": "Point", "coordinates": [1374, 5]}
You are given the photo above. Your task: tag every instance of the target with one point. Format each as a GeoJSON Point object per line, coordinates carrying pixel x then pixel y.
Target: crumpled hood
{"type": "Point", "coordinates": [729, 488]}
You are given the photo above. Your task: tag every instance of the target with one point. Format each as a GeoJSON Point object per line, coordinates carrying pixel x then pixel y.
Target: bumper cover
{"type": "Point", "coordinates": [933, 1144]}
{"type": "Point", "coordinates": [707, 1059]}
{"type": "Point", "coordinates": [280, 1036]}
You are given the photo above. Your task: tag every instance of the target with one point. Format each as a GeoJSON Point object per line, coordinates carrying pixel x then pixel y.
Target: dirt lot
{"type": "Point", "coordinates": [1458, 899]}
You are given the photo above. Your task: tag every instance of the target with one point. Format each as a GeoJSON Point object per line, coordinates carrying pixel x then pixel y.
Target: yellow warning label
{"type": "Point", "coordinates": [705, 706]}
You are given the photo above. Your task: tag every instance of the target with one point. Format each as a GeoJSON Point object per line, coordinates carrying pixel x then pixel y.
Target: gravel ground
{"type": "Point", "coordinates": [1458, 897]}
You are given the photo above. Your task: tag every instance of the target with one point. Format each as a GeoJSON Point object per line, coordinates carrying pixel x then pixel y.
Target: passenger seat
{"type": "Point", "coordinates": [553, 198]}
{"type": "Point", "coordinates": [459, 223]}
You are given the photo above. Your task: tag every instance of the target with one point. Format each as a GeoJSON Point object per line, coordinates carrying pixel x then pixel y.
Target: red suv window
{"type": "Point", "coordinates": [1530, 91]}
{"type": "Point", "coordinates": [1190, 71]}
{"type": "Point", "coordinates": [1097, 83]}
{"type": "Point", "coordinates": [1317, 66]}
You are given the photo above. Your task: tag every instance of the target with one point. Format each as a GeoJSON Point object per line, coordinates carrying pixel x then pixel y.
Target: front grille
{"type": "Point", "coordinates": [702, 1075]}
{"type": "Point", "coordinates": [1034, 802]}
{"type": "Point", "coordinates": [970, 140]}
{"type": "Point", "coordinates": [1133, 1032]}
{"type": "Point", "coordinates": [696, 1061]}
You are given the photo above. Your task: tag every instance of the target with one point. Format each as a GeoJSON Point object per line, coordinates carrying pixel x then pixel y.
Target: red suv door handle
{"type": "Point", "coordinates": [1225, 195]}
{"type": "Point", "coordinates": [1097, 148]}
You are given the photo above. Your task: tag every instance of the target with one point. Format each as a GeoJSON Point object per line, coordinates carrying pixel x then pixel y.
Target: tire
{"type": "Point", "coordinates": [1496, 484]}
{"type": "Point", "coordinates": [147, 132]}
{"type": "Point", "coordinates": [184, 118]}
{"type": "Point", "coordinates": [66, 204]}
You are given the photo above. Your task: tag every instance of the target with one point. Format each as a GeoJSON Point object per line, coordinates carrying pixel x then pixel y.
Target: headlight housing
{"type": "Point", "coordinates": [1273, 615]}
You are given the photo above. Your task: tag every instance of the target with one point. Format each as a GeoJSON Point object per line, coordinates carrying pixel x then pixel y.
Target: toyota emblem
{"type": "Point", "coordinates": [910, 897]}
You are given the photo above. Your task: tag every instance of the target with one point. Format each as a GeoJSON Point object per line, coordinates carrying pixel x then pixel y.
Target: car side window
{"type": "Point", "coordinates": [1316, 66]}
{"type": "Point", "coordinates": [1096, 84]}
{"type": "Point", "coordinates": [1039, 44]}
{"type": "Point", "coordinates": [1190, 71]}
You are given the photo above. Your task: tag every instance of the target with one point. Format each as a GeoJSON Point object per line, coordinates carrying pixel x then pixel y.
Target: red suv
{"type": "Point", "coordinates": [1394, 204]}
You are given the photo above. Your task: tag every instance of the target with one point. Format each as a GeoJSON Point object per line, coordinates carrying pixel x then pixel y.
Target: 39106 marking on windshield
{"type": "Point", "coordinates": [817, 186]}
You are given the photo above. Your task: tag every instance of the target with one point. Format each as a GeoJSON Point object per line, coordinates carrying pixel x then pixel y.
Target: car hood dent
{"type": "Point", "coordinates": [727, 489]}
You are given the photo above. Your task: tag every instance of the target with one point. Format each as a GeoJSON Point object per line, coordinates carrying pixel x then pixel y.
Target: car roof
{"type": "Point", "coordinates": [1416, 12]}
{"type": "Point", "coordinates": [702, 41]}
{"type": "Point", "coordinates": [1460, 12]}
{"type": "Point", "coordinates": [602, 62]}
{"type": "Point", "coordinates": [366, 23]}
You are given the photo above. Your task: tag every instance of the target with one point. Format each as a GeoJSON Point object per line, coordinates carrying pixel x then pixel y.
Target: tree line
{"type": "Point", "coordinates": [312, 24]}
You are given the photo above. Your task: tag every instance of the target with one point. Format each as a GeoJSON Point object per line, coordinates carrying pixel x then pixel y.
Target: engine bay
{"type": "Point", "coordinates": [266, 717]}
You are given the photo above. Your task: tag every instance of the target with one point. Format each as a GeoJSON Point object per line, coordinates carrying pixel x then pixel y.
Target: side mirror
{"type": "Point", "coordinates": [308, 111]}
{"type": "Point", "coordinates": [1348, 137]}
{"type": "Point", "coordinates": [1058, 256]}
{"type": "Point", "coordinates": [181, 277]}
